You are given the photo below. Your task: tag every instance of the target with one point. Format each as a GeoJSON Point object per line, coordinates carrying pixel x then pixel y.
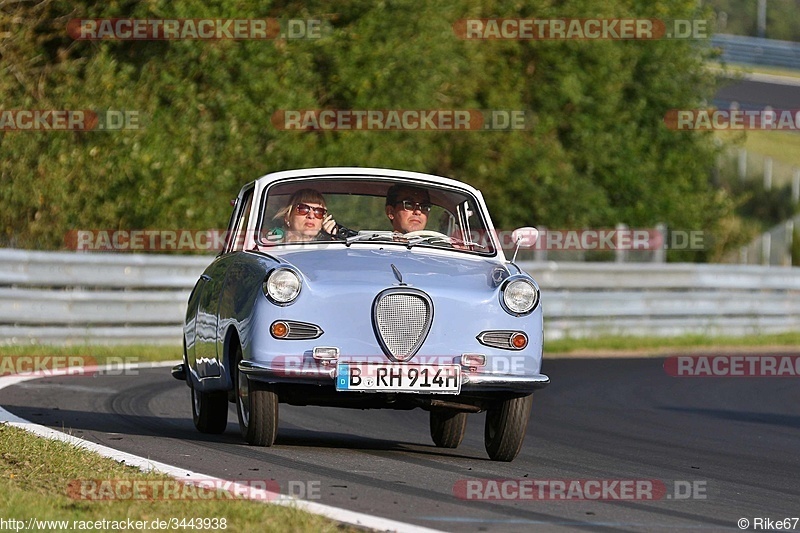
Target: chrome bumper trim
{"type": "Point", "coordinates": [304, 374]}
{"type": "Point", "coordinates": [503, 382]}
{"type": "Point", "coordinates": [322, 376]}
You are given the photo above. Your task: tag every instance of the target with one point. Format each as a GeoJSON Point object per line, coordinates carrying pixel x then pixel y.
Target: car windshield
{"type": "Point", "coordinates": [350, 212]}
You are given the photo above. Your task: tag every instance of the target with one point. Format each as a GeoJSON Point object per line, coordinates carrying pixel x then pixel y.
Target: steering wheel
{"type": "Point", "coordinates": [425, 233]}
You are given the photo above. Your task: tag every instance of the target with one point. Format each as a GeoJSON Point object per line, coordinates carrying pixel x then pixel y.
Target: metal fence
{"type": "Point", "coordinates": [757, 51]}
{"type": "Point", "coordinates": [63, 297]}
{"type": "Point", "coordinates": [751, 166]}
{"type": "Point", "coordinates": [773, 247]}
{"type": "Point", "coordinates": [590, 299]}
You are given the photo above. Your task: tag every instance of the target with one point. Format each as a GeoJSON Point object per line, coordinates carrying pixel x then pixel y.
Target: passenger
{"type": "Point", "coordinates": [305, 218]}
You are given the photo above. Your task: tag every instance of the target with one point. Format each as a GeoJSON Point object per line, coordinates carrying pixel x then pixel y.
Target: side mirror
{"type": "Point", "coordinates": [524, 238]}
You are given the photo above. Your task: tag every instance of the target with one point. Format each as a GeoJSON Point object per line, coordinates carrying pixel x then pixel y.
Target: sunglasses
{"type": "Point", "coordinates": [303, 209]}
{"type": "Point", "coordinates": [408, 205]}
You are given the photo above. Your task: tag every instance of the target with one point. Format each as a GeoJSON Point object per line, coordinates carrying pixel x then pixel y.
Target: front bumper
{"type": "Point", "coordinates": [326, 375]}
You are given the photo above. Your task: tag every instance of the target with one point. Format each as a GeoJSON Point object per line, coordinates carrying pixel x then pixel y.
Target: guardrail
{"type": "Point", "coordinates": [66, 297]}
{"type": "Point", "coordinates": [589, 299]}
{"type": "Point", "coordinates": [58, 297]}
{"type": "Point", "coordinates": [757, 51]}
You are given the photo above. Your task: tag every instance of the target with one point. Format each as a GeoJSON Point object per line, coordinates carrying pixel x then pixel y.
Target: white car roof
{"type": "Point", "coordinates": [366, 172]}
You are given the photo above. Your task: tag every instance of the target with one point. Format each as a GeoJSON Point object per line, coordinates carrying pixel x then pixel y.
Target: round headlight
{"type": "Point", "coordinates": [282, 286]}
{"type": "Point", "coordinates": [520, 296]}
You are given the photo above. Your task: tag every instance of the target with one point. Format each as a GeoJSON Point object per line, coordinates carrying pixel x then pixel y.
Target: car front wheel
{"type": "Point", "coordinates": [448, 427]}
{"type": "Point", "coordinates": [506, 423]}
{"type": "Point", "coordinates": [257, 407]}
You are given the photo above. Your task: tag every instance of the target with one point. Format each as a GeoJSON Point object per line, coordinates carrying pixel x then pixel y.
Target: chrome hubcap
{"type": "Point", "coordinates": [244, 398]}
{"type": "Point", "coordinates": [196, 401]}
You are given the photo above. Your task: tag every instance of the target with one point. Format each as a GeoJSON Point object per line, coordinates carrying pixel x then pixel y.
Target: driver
{"type": "Point", "coordinates": [407, 208]}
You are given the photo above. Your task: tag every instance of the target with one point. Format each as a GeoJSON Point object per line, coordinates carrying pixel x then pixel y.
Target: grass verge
{"type": "Point", "coordinates": [36, 475]}
{"type": "Point", "coordinates": [654, 346]}
{"type": "Point", "coordinates": [755, 69]}
{"type": "Point", "coordinates": [99, 353]}
{"type": "Point", "coordinates": [146, 353]}
{"type": "Point", "coordinates": [781, 146]}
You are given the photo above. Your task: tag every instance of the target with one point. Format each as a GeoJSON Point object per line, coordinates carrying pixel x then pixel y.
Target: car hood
{"type": "Point", "coordinates": [416, 267]}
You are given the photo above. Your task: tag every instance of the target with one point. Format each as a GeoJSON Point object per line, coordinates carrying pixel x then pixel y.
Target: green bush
{"type": "Point", "coordinates": [597, 153]}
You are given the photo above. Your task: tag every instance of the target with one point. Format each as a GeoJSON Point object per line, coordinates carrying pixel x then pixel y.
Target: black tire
{"type": "Point", "coordinates": [209, 411]}
{"type": "Point", "coordinates": [257, 408]}
{"type": "Point", "coordinates": [448, 427]}
{"type": "Point", "coordinates": [506, 423]}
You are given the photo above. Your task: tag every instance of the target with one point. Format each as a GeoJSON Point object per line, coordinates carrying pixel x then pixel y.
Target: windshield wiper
{"type": "Point", "coordinates": [391, 236]}
{"type": "Point", "coordinates": [368, 236]}
{"type": "Point", "coordinates": [434, 239]}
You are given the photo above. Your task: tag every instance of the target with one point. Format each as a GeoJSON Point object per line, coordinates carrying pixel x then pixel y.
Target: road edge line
{"type": "Point", "coordinates": [181, 474]}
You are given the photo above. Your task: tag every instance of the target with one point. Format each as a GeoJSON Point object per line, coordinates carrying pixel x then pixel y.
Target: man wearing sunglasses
{"type": "Point", "coordinates": [407, 208]}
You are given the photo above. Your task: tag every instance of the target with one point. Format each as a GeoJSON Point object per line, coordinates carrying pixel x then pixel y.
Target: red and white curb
{"type": "Point", "coordinates": [148, 465]}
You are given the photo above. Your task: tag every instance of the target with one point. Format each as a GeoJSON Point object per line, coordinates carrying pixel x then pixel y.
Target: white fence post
{"type": "Point", "coordinates": [540, 251]}
{"type": "Point", "coordinates": [766, 248]}
{"type": "Point", "coordinates": [789, 241]}
{"type": "Point", "coordinates": [796, 186]}
{"type": "Point", "coordinates": [660, 253]}
{"type": "Point", "coordinates": [742, 164]}
{"type": "Point", "coordinates": [620, 255]}
{"type": "Point", "coordinates": [767, 173]}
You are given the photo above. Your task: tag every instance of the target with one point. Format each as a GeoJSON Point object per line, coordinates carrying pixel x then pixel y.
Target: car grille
{"type": "Point", "coordinates": [402, 320]}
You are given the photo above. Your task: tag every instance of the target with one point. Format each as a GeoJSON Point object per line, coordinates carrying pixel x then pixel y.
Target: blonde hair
{"type": "Point", "coordinates": [302, 196]}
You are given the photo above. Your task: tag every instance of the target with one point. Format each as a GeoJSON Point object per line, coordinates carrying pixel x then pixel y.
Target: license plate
{"type": "Point", "coordinates": [393, 377]}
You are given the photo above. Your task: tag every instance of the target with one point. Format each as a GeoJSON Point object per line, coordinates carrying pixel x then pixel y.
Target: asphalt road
{"type": "Point", "coordinates": [751, 94]}
{"type": "Point", "coordinates": [735, 441]}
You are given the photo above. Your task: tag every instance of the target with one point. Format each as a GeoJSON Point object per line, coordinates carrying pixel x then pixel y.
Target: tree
{"type": "Point", "coordinates": [597, 152]}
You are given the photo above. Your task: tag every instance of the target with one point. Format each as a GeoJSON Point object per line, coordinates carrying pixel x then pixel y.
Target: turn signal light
{"type": "Point", "coordinates": [519, 340]}
{"type": "Point", "coordinates": [279, 330]}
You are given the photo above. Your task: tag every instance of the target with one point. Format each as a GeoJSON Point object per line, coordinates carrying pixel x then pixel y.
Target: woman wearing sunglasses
{"type": "Point", "coordinates": [305, 218]}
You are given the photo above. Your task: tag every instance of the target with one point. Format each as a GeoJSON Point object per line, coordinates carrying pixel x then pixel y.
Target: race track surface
{"type": "Point", "coordinates": [750, 94]}
{"type": "Point", "coordinates": [729, 444]}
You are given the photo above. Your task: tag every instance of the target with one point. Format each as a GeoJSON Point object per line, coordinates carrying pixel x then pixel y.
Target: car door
{"type": "Point", "coordinates": [207, 352]}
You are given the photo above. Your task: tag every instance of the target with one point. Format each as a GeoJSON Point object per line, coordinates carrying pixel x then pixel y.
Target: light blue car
{"type": "Point", "coordinates": [365, 288]}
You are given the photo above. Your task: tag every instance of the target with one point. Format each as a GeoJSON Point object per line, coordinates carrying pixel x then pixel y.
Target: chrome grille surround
{"type": "Point", "coordinates": [498, 339]}
{"type": "Point", "coordinates": [401, 318]}
{"type": "Point", "coordinates": [300, 330]}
